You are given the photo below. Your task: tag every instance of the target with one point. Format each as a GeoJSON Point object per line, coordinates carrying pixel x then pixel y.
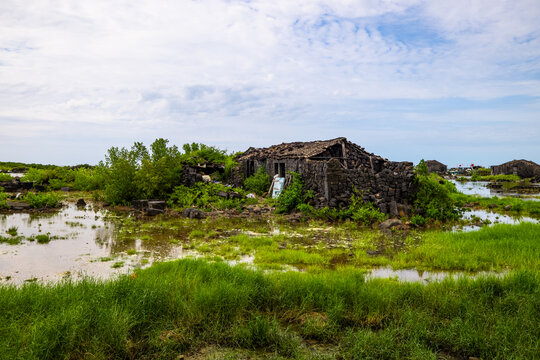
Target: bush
{"type": "Point", "coordinates": [433, 198]}
{"type": "Point", "coordinates": [293, 195]}
{"type": "Point", "coordinates": [358, 210]}
{"type": "Point", "coordinates": [42, 200]}
{"type": "Point", "coordinates": [418, 220]}
{"type": "Point", "coordinates": [3, 199]}
{"type": "Point", "coordinates": [206, 196]}
{"type": "Point", "coordinates": [259, 183]}
{"type": "Point", "coordinates": [5, 177]}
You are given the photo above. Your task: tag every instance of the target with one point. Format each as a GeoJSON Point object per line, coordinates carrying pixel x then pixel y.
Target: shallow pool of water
{"type": "Point", "coordinates": [487, 218]}
{"type": "Point", "coordinates": [87, 242]}
{"type": "Point", "coordinates": [480, 188]}
{"type": "Point", "coordinates": [409, 275]}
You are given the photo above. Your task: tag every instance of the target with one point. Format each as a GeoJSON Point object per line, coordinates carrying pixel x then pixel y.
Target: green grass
{"type": "Point", "coordinates": [11, 240]}
{"type": "Point", "coordinates": [184, 307]}
{"type": "Point", "coordinates": [43, 238]}
{"type": "Point", "coordinates": [12, 231]}
{"type": "Point", "coordinates": [496, 204]}
{"type": "Point", "coordinates": [497, 247]}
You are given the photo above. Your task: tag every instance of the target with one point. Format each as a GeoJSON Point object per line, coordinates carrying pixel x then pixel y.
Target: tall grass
{"type": "Point", "coordinates": [497, 247]}
{"type": "Point", "coordinates": [181, 307]}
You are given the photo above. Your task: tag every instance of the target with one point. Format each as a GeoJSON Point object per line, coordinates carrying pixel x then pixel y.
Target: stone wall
{"type": "Point", "coordinates": [436, 167]}
{"type": "Point", "coordinates": [387, 184]}
{"type": "Point", "coordinates": [522, 168]}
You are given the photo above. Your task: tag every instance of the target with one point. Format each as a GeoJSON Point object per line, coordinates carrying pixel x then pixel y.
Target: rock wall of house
{"type": "Point", "coordinates": [387, 184]}
{"type": "Point", "coordinates": [523, 169]}
{"type": "Point", "coordinates": [436, 167]}
{"type": "Point", "coordinates": [388, 189]}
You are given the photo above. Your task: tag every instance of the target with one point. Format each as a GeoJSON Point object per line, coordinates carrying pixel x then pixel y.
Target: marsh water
{"type": "Point", "coordinates": [88, 241]}
{"type": "Point", "coordinates": [481, 188]}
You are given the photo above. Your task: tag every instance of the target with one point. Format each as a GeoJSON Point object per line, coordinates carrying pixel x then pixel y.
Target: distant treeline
{"type": "Point", "coordinates": [18, 167]}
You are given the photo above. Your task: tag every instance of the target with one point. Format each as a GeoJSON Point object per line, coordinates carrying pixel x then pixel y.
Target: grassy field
{"type": "Point", "coordinates": [189, 306]}
{"type": "Point", "coordinates": [495, 248]}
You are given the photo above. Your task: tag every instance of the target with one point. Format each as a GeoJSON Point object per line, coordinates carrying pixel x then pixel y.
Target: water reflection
{"type": "Point", "coordinates": [408, 275]}
{"type": "Point", "coordinates": [480, 188]}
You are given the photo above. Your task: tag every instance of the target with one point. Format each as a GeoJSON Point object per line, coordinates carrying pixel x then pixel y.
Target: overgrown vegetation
{"type": "Point", "coordinates": [209, 196]}
{"type": "Point", "coordinates": [293, 195]}
{"type": "Point", "coordinates": [42, 200]}
{"type": "Point", "coordinates": [258, 183]}
{"type": "Point", "coordinates": [5, 177]}
{"type": "Point", "coordinates": [184, 306]}
{"type": "Point", "coordinates": [3, 199]}
{"type": "Point", "coordinates": [433, 199]}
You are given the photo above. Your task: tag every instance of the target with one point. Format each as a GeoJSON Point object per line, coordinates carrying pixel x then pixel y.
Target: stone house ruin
{"type": "Point", "coordinates": [522, 168]}
{"type": "Point", "coordinates": [436, 167]}
{"type": "Point", "coordinates": [332, 169]}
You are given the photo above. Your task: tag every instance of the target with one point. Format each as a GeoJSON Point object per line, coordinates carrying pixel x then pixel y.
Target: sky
{"type": "Point", "coordinates": [452, 80]}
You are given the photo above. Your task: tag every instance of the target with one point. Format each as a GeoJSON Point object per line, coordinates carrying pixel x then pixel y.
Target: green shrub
{"type": "Point", "coordinates": [5, 177]}
{"type": "Point", "coordinates": [433, 197]}
{"type": "Point", "coordinates": [293, 195]}
{"type": "Point", "coordinates": [3, 199]}
{"type": "Point", "coordinates": [42, 200]}
{"type": "Point", "coordinates": [259, 183]}
{"type": "Point", "coordinates": [482, 172]}
{"type": "Point", "coordinates": [418, 220]}
{"type": "Point", "coordinates": [207, 196]}
{"type": "Point", "coordinates": [359, 211]}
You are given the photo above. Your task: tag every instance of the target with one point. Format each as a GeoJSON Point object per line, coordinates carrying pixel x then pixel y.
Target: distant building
{"type": "Point", "coordinates": [522, 168]}
{"type": "Point", "coordinates": [436, 167]}
{"type": "Point", "coordinates": [332, 169]}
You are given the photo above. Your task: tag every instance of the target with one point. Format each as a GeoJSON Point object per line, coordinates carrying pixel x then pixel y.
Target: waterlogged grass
{"type": "Point", "coordinates": [512, 206]}
{"type": "Point", "coordinates": [187, 306]}
{"type": "Point", "coordinates": [497, 247]}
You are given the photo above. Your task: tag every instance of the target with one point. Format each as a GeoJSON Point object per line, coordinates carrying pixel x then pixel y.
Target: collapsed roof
{"type": "Point", "coordinates": [300, 150]}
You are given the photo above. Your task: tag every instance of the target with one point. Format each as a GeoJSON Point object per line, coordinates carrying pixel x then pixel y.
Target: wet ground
{"type": "Point", "coordinates": [481, 188]}
{"type": "Point", "coordinates": [85, 241]}
{"type": "Point", "coordinates": [94, 242]}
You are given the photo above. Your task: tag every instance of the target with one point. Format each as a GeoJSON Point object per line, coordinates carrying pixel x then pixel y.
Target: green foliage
{"type": "Point", "coordinates": [3, 199]}
{"type": "Point", "coordinates": [122, 165]}
{"type": "Point", "coordinates": [418, 220]}
{"type": "Point", "coordinates": [160, 172]}
{"type": "Point", "coordinates": [359, 211]}
{"type": "Point", "coordinates": [196, 153]}
{"type": "Point", "coordinates": [13, 230]}
{"type": "Point", "coordinates": [42, 200]}
{"type": "Point", "coordinates": [293, 195]}
{"type": "Point", "coordinates": [206, 196]}
{"type": "Point", "coordinates": [433, 197]}
{"type": "Point", "coordinates": [5, 177]}
{"type": "Point", "coordinates": [184, 306]}
{"type": "Point", "coordinates": [43, 238]}
{"type": "Point", "coordinates": [89, 179]}
{"type": "Point", "coordinates": [259, 183]}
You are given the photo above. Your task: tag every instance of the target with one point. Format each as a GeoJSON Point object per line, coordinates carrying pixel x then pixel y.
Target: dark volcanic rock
{"type": "Point", "coordinates": [193, 213]}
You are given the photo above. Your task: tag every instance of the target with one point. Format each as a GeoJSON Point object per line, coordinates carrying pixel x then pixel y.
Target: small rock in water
{"type": "Point", "coordinates": [81, 203]}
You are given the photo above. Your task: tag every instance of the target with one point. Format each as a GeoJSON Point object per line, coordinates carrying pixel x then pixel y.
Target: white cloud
{"type": "Point", "coordinates": [238, 71]}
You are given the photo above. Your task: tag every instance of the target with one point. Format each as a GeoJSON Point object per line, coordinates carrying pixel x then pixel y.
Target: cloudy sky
{"type": "Point", "coordinates": [455, 80]}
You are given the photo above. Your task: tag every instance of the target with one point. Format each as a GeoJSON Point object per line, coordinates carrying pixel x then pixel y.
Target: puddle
{"type": "Point", "coordinates": [425, 277]}
{"type": "Point", "coordinates": [489, 218]}
{"type": "Point", "coordinates": [480, 188]}
{"type": "Point", "coordinates": [88, 243]}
